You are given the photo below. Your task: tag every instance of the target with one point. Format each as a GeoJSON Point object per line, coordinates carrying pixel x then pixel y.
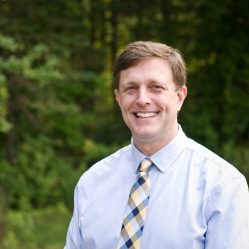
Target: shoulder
{"type": "Point", "coordinates": [100, 176]}
{"type": "Point", "coordinates": [215, 168]}
{"type": "Point", "coordinates": [105, 167]}
{"type": "Point", "coordinates": [220, 180]}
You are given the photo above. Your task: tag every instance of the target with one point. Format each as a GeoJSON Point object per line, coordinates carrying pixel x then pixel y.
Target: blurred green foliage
{"type": "Point", "coordinates": [29, 229]}
{"type": "Point", "coordinates": [57, 111]}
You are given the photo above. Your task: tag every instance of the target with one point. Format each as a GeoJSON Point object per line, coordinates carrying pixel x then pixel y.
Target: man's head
{"type": "Point", "coordinates": [139, 50]}
{"type": "Point", "coordinates": [150, 90]}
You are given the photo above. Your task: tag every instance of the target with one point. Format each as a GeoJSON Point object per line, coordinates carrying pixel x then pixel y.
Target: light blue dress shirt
{"type": "Point", "coordinates": [197, 200]}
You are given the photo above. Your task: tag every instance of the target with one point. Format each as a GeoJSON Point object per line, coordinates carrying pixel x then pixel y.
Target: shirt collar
{"type": "Point", "coordinates": [166, 155]}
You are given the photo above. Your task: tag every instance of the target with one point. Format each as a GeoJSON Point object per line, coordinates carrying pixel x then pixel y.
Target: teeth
{"type": "Point", "coordinates": [146, 114]}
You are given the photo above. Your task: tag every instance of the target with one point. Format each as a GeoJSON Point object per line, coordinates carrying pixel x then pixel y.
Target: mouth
{"type": "Point", "coordinates": [145, 114]}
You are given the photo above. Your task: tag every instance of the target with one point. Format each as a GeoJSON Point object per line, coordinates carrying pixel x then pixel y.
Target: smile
{"type": "Point", "coordinates": [145, 114]}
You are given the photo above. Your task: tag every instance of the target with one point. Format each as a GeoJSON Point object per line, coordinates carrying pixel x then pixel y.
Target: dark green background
{"type": "Point", "coordinates": [57, 111]}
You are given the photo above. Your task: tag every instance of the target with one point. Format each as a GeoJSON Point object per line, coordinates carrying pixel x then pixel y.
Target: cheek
{"type": "Point", "coordinates": [162, 103]}
{"type": "Point", "coordinates": [168, 105]}
{"type": "Point", "coordinates": [126, 104]}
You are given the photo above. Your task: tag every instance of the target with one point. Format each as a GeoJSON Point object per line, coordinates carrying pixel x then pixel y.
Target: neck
{"type": "Point", "coordinates": [150, 146]}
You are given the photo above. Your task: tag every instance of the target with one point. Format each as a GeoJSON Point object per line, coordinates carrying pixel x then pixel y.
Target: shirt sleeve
{"type": "Point", "coordinates": [74, 238]}
{"type": "Point", "coordinates": [227, 216]}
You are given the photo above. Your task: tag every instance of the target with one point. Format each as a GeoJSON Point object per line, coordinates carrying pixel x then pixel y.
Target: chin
{"type": "Point", "coordinates": [145, 136]}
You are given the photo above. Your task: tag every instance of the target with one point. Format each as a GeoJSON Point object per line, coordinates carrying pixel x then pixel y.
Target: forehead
{"type": "Point", "coordinates": [148, 69]}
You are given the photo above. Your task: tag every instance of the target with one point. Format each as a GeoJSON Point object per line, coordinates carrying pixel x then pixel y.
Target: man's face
{"type": "Point", "coordinates": [149, 101]}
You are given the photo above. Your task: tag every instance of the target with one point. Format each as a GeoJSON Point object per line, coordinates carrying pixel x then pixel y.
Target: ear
{"type": "Point", "coordinates": [182, 94]}
{"type": "Point", "coordinates": [117, 96]}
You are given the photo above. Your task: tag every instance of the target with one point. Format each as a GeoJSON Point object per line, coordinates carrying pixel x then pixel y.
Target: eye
{"type": "Point", "coordinates": [130, 89]}
{"type": "Point", "coordinates": [157, 88]}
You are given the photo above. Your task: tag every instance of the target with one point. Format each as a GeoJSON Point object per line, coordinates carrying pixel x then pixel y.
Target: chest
{"type": "Point", "coordinates": [174, 216]}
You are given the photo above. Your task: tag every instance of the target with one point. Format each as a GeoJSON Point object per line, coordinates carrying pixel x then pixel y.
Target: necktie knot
{"type": "Point", "coordinates": [145, 165]}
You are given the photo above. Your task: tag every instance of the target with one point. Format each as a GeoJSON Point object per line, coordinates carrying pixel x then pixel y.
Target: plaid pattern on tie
{"type": "Point", "coordinates": [133, 223]}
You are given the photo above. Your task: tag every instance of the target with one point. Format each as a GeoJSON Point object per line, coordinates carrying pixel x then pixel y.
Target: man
{"type": "Point", "coordinates": [182, 196]}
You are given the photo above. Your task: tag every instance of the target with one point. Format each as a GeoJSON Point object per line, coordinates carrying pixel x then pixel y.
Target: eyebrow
{"type": "Point", "coordinates": [164, 84]}
{"type": "Point", "coordinates": [129, 83]}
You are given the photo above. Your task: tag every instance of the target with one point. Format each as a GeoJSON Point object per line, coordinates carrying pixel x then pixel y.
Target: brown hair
{"type": "Point", "coordinates": [137, 51]}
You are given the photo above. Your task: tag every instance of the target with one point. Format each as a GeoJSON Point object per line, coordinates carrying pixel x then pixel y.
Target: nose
{"type": "Point", "coordinates": [143, 97]}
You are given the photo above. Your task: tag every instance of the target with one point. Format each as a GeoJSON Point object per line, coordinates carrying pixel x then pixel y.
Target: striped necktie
{"type": "Point", "coordinates": [133, 223]}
